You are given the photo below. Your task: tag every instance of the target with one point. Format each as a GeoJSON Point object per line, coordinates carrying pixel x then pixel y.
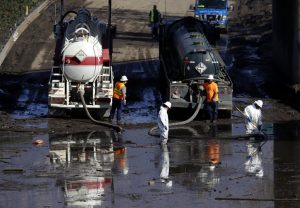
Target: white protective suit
{"type": "Point", "coordinates": [253, 120]}
{"type": "Point", "coordinates": [163, 123]}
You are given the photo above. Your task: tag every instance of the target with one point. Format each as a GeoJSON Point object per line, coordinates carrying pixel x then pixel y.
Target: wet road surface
{"type": "Point", "coordinates": [104, 169]}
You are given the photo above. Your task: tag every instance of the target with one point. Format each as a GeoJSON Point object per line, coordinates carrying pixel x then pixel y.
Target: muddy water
{"type": "Point", "coordinates": [105, 169]}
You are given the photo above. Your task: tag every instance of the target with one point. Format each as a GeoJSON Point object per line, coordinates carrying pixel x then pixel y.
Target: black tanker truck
{"type": "Point", "coordinates": [186, 59]}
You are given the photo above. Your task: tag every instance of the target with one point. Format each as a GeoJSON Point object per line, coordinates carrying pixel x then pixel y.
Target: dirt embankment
{"type": "Point", "coordinates": [34, 48]}
{"type": "Point", "coordinates": [251, 23]}
{"type": "Point", "coordinates": [250, 41]}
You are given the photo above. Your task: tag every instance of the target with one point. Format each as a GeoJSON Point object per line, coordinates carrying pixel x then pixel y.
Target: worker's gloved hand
{"type": "Point", "coordinates": [124, 102]}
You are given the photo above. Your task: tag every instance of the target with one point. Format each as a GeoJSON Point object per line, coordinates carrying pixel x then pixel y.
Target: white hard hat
{"type": "Point", "coordinates": [259, 103]}
{"type": "Point", "coordinates": [210, 77]}
{"type": "Point", "coordinates": [123, 79]}
{"type": "Point", "coordinates": [168, 104]}
{"type": "Point", "coordinates": [82, 29]}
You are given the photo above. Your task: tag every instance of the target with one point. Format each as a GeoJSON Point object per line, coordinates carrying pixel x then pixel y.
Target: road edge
{"type": "Point", "coordinates": [22, 27]}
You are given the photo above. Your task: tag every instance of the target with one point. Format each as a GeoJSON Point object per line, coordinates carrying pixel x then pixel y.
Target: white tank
{"type": "Point", "coordinates": [82, 59]}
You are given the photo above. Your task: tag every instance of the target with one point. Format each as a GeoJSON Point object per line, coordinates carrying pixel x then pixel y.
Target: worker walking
{"type": "Point", "coordinates": [212, 99]}
{"type": "Point", "coordinates": [253, 117]}
{"type": "Point", "coordinates": [119, 98]}
{"type": "Point", "coordinates": [154, 19]}
{"type": "Point", "coordinates": [163, 122]}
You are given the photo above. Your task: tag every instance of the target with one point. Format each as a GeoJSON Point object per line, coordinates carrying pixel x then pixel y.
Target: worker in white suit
{"type": "Point", "coordinates": [253, 117]}
{"type": "Point", "coordinates": [163, 122]}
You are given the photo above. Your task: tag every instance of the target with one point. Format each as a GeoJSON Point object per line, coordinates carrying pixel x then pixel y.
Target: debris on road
{"type": "Point", "coordinates": [13, 171]}
{"type": "Point", "coordinates": [38, 142]}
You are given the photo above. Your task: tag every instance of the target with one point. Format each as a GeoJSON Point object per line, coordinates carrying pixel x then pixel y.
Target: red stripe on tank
{"type": "Point", "coordinates": [91, 60]}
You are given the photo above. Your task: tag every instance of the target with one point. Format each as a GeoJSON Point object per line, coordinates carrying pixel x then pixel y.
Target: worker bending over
{"type": "Point", "coordinates": [212, 98]}
{"type": "Point", "coordinates": [163, 122]}
{"type": "Point", "coordinates": [253, 117]}
{"type": "Point", "coordinates": [119, 98]}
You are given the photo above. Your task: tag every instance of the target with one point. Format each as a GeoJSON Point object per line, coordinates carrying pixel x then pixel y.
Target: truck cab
{"type": "Point", "coordinates": [215, 12]}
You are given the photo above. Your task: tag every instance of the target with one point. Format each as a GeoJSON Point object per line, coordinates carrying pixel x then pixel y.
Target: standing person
{"type": "Point", "coordinates": [119, 98]}
{"type": "Point", "coordinates": [163, 122]}
{"type": "Point", "coordinates": [154, 19]}
{"type": "Point", "coordinates": [212, 98]}
{"type": "Point", "coordinates": [253, 117]}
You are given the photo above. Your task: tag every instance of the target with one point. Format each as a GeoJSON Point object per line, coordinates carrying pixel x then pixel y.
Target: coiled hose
{"type": "Point", "coordinates": [199, 101]}
{"type": "Point", "coordinates": [115, 127]}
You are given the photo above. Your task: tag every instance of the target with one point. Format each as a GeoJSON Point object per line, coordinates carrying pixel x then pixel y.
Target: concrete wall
{"type": "Point", "coordinates": [286, 39]}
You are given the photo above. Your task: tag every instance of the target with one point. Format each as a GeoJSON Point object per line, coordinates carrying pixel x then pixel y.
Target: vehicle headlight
{"type": "Point", "coordinates": [224, 17]}
{"type": "Point", "coordinates": [196, 16]}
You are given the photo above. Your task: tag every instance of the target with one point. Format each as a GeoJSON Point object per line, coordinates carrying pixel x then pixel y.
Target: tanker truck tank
{"type": "Point", "coordinates": [186, 59]}
{"type": "Point", "coordinates": [82, 59]}
{"type": "Point", "coordinates": [82, 51]}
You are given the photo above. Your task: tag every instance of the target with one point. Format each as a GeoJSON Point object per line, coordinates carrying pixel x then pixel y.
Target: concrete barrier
{"type": "Point", "coordinates": [21, 28]}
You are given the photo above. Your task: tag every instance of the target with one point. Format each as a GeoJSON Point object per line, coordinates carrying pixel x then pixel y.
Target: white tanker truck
{"type": "Point", "coordinates": [82, 66]}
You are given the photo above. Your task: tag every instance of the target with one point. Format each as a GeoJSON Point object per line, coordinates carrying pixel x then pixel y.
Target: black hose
{"type": "Point", "coordinates": [115, 127]}
{"type": "Point", "coordinates": [199, 101]}
{"type": "Point", "coordinates": [63, 17]}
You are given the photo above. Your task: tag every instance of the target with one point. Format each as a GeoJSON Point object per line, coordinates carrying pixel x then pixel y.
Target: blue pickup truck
{"type": "Point", "coordinates": [215, 12]}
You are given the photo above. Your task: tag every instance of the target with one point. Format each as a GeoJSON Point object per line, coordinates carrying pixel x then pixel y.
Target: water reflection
{"type": "Point", "coordinates": [120, 154]}
{"type": "Point", "coordinates": [201, 131]}
{"type": "Point", "coordinates": [208, 175]}
{"type": "Point", "coordinates": [253, 164]}
{"type": "Point", "coordinates": [165, 166]}
{"type": "Point", "coordinates": [86, 161]}
{"type": "Point", "coordinates": [197, 162]}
